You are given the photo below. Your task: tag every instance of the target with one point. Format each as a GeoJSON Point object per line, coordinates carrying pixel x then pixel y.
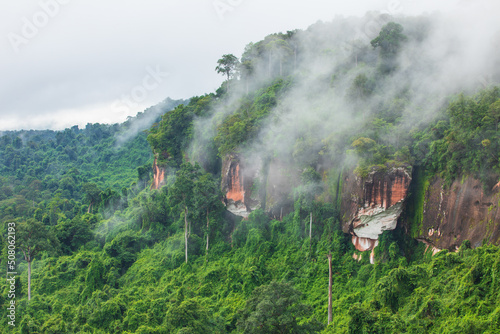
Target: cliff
{"type": "Point", "coordinates": [238, 180]}
{"type": "Point", "coordinates": [250, 184]}
{"type": "Point", "coordinates": [460, 212]}
{"type": "Point", "coordinates": [281, 179]}
{"type": "Point", "coordinates": [158, 175]}
{"type": "Point", "coordinates": [373, 205]}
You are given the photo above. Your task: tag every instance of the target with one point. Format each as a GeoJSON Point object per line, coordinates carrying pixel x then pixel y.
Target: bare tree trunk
{"type": "Point", "coordinates": [186, 232]}
{"type": "Point", "coordinates": [29, 279]}
{"type": "Point", "coordinates": [310, 226]}
{"type": "Point", "coordinates": [310, 233]}
{"type": "Point", "coordinates": [330, 315]}
{"type": "Point", "coordinates": [208, 231]}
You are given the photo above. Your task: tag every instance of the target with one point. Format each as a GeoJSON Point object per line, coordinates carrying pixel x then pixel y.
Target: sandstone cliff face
{"type": "Point", "coordinates": [462, 212]}
{"type": "Point", "coordinates": [250, 184]}
{"type": "Point", "coordinates": [373, 205]}
{"type": "Point", "coordinates": [158, 176]}
{"type": "Point", "coordinates": [280, 181]}
{"type": "Point", "coordinates": [238, 180]}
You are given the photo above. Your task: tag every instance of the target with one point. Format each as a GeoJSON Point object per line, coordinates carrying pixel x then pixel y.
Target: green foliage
{"type": "Point", "coordinates": [109, 253]}
{"type": "Point", "coordinates": [244, 124]}
{"type": "Point", "coordinates": [361, 88]}
{"type": "Point", "coordinates": [389, 39]}
{"type": "Point", "coordinates": [276, 308]}
{"type": "Point", "coordinates": [465, 143]}
{"type": "Point", "coordinates": [416, 202]}
{"type": "Point", "coordinates": [227, 65]}
{"type": "Point", "coordinates": [172, 135]}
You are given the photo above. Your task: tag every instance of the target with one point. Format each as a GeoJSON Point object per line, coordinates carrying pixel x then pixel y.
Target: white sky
{"type": "Point", "coordinates": [86, 57]}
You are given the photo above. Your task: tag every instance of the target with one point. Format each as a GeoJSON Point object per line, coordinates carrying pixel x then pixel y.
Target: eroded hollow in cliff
{"type": "Point", "coordinates": [235, 190]}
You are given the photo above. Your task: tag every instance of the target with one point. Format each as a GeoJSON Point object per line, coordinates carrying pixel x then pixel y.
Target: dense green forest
{"type": "Point", "coordinates": [108, 253]}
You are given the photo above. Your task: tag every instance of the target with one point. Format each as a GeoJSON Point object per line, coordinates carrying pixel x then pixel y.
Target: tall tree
{"type": "Point", "coordinates": [389, 39]}
{"type": "Point", "coordinates": [32, 238]}
{"type": "Point", "coordinates": [494, 113]}
{"type": "Point", "coordinates": [246, 69]}
{"type": "Point", "coordinates": [92, 195]}
{"type": "Point", "coordinates": [208, 199]}
{"type": "Point", "coordinates": [181, 195]}
{"type": "Point", "coordinates": [227, 65]}
{"type": "Point", "coordinates": [330, 313]}
{"type": "Point", "coordinates": [279, 48]}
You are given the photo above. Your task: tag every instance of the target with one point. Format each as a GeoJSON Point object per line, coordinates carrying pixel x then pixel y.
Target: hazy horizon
{"type": "Point", "coordinates": [69, 63]}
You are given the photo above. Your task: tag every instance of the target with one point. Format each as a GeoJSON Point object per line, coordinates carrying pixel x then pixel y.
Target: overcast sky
{"type": "Point", "coordinates": [70, 62]}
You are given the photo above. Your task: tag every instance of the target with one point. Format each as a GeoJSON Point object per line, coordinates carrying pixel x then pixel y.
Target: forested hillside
{"type": "Point", "coordinates": [325, 158]}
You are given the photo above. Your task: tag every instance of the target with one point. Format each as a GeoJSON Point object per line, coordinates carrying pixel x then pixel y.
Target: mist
{"type": "Point", "coordinates": [143, 121]}
{"type": "Point", "coordinates": [323, 112]}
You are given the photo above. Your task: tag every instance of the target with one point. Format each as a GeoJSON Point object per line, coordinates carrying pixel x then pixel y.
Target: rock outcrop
{"type": "Point", "coordinates": [460, 212]}
{"type": "Point", "coordinates": [158, 175]}
{"type": "Point", "coordinates": [373, 205]}
{"type": "Point", "coordinates": [238, 180]}
{"type": "Point", "coordinates": [280, 181]}
{"type": "Point", "coordinates": [250, 184]}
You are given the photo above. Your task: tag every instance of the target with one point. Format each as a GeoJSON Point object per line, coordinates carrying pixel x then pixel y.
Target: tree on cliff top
{"type": "Point", "coordinates": [227, 65]}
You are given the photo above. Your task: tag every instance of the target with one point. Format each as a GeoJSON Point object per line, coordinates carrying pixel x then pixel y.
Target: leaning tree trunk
{"type": "Point", "coordinates": [310, 232]}
{"type": "Point", "coordinates": [186, 232]}
{"type": "Point", "coordinates": [208, 231]}
{"type": "Point", "coordinates": [29, 279]}
{"type": "Point", "coordinates": [310, 225]}
{"type": "Point", "coordinates": [330, 315]}
{"type": "Point", "coordinates": [27, 258]}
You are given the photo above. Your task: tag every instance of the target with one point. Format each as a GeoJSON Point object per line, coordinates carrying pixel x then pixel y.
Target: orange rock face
{"type": "Point", "coordinates": [385, 192]}
{"type": "Point", "coordinates": [159, 176]}
{"type": "Point", "coordinates": [237, 183]}
{"type": "Point", "coordinates": [235, 192]}
{"type": "Point", "coordinates": [373, 205]}
{"type": "Point", "coordinates": [462, 211]}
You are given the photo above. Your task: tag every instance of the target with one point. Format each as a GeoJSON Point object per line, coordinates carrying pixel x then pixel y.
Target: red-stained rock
{"type": "Point", "coordinates": [235, 190]}
{"type": "Point", "coordinates": [248, 184]}
{"type": "Point", "coordinates": [158, 176]}
{"type": "Point", "coordinates": [373, 205]}
{"type": "Point", "coordinates": [385, 189]}
{"type": "Point", "coordinates": [237, 184]}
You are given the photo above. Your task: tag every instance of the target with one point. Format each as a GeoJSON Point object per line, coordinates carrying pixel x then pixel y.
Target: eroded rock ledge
{"type": "Point", "coordinates": [373, 205]}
